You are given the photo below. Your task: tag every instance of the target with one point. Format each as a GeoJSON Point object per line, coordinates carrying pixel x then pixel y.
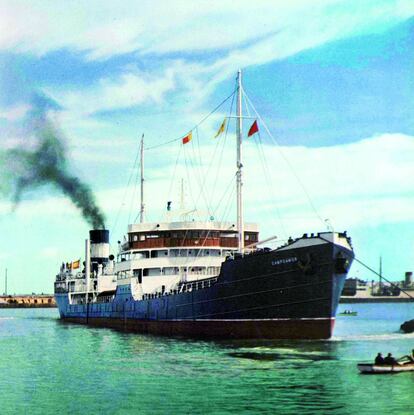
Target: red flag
{"type": "Point", "coordinates": [187, 138]}
{"type": "Point", "coordinates": [253, 129]}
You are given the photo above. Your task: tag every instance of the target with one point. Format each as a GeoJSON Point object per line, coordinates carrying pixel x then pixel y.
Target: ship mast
{"type": "Point", "coordinates": [141, 212]}
{"type": "Point", "coordinates": [239, 181]}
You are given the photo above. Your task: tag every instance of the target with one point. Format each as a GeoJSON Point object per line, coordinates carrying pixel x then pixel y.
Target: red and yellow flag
{"type": "Point", "coordinates": [76, 264]}
{"type": "Point", "coordinates": [188, 138]}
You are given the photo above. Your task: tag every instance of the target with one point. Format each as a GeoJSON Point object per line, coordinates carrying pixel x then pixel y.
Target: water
{"type": "Point", "coordinates": [47, 366]}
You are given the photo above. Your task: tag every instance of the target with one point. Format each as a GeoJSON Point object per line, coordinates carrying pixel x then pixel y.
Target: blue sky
{"type": "Point", "coordinates": [333, 83]}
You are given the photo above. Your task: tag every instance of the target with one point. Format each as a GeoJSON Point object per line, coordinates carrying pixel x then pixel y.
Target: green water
{"type": "Point", "coordinates": [49, 367]}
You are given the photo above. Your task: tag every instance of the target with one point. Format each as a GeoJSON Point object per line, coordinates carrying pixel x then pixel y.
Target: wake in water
{"type": "Point", "coordinates": [374, 337]}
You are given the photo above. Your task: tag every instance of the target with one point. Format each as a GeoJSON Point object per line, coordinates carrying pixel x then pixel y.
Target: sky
{"type": "Point", "coordinates": [330, 83]}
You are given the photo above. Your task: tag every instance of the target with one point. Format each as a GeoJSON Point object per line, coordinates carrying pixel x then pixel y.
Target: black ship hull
{"type": "Point", "coordinates": [288, 293]}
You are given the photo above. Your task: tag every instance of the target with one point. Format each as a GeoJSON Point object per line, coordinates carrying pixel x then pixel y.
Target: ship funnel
{"type": "Point", "coordinates": [99, 247]}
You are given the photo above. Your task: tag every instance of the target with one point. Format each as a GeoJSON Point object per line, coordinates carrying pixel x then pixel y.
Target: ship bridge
{"type": "Point", "coordinates": [188, 234]}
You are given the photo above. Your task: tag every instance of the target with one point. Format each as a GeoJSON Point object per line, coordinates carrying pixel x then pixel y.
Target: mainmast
{"type": "Point", "coordinates": [141, 212]}
{"type": "Point", "coordinates": [239, 184]}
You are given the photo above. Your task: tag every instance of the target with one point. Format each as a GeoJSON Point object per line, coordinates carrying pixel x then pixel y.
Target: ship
{"type": "Point", "coordinates": [208, 278]}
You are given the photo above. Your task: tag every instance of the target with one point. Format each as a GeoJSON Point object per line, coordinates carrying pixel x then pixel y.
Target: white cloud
{"type": "Point", "coordinates": [246, 35]}
{"type": "Point", "coordinates": [367, 182]}
{"type": "Point", "coordinates": [104, 28]}
{"type": "Point", "coordinates": [126, 91]}
{"type": "Point", "coordinates": [14, 113]}
{"type": "Point", "coordinates": [249, 34]}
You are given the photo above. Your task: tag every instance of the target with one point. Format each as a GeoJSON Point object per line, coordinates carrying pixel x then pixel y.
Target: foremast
{"type": "Point", "coordinates": [142, 208]}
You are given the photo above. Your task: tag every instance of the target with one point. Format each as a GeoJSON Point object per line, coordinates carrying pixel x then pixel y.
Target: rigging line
{"type": "Point", "coordinates": [188, 178]}
{"type": "Point", "coordinates": [174, 171]}
{"type": "Point", "coordinates": [208, 232]}
{"type": "Point", "coordinates": [200, 174]}
{"type": "Point", "coordinates": [206, 175]}
{"type": "Point", "coordinates": [215, 184]}
{"type": "Point", "coordinates": [268, 180]}
{"type": "Point", "coordinates": [125, 192]}
{"type": "Point", "coordinates": [222, 150]}
{"type": "Point", "coordinates": [267, 177]}
{"type": "Point", "coordinates": [265, 167]}
{"type": "Point", "coordinates": [200, 181]}
{"type": "Point", "coordinates": [197, 125]}
{"type": "Point", "coordinates": [226, 190]}
{"type": "Point", "coordinates": [227, 207]}
{"type": "Point", "coordinates": [204, 180]}
{"type": "Point", "coordinates": [181, 248]}
{"type": "Point", "coordinates": [286, 161]}
{"type": "Point", "coordinates": [199, 150]}
{"type": "Point", "coordinates": [134, 192]}
{"type": "Point", "coordinates": [379, 275]}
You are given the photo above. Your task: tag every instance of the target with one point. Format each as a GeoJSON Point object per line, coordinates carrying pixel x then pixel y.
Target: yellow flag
{"type": "Point", "coordinates": [76, 264]}
{"type": "Point", "coordinates": [221, 129]}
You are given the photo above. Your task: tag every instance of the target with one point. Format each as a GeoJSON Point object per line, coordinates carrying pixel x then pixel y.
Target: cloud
{"type": "Point", "coordinates": [103, 29]}
{"type": "Point", "coordinates": [229, 38]}
{"type": "Point", "coordinates": [363, 183]}
{"type": "Point", "coordinates": [128, 90]}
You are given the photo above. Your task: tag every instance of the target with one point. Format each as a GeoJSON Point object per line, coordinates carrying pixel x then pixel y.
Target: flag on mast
{"type": "Point", "coordinates": [76, 264]}
{"type": "Point", "coordinates": [188, 138]}
{"type": "Point", "coordinates": [221, 129]}
{"type": "Point", "coordinates": [253, 129]}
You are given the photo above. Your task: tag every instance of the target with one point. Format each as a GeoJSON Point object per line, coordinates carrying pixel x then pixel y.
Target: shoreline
{"type": "Point", "coordinates": [27, 305]}
{"type": "Point", "coordinates": [27, 301]}
{"type": "Point", "coordinates": [390, 299]}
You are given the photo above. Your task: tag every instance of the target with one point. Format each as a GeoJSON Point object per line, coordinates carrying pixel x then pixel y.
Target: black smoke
{"type": "Point", "coordinates": [46, 164]}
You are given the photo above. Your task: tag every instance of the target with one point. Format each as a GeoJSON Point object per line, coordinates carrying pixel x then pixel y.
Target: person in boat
{"type": "Point", "coordinates": [379, 360]}
{"type": "Point", "coordinates": [390, 360]}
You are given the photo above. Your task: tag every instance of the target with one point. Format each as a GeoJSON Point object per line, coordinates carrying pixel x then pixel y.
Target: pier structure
{"type": "Point", "coordinates": [27, 301]}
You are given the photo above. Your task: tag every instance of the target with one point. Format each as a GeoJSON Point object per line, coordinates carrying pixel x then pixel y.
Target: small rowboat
{"type": "Point", "coordinates": [369, 368]}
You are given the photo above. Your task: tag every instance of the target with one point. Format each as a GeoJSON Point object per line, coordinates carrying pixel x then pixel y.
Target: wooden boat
{"type": "Point", "coordinates": [370, 368]}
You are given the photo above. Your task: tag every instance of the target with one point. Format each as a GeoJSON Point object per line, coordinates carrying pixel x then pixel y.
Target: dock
{"type": "Point", "coordinates": [27, 301]}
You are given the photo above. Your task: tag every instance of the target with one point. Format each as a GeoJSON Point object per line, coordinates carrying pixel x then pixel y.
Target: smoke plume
{"type": "Point", "coordinates": [46, 163]}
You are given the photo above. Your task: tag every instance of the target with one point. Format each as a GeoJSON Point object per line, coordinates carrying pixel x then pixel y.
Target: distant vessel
{"type": "Point", "coordinates": [208, 278]}
{"type": "Point", "coordinates": [348, 313]}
